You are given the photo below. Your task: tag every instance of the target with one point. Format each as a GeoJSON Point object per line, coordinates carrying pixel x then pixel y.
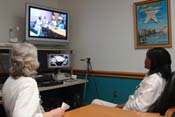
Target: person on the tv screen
{"type": "Point", "coordinates": [65, 62]}
{"type": "Point", "coordinates": [60, 23]}
{"type": "Point", "coordinates": [20, 92]}
{"type": "Point", "coordinates": [53, 61]}
{"type": "Point", "coordinates": [53, 22]}
{"type": "Point", "coordinates": [59, 60]}
{"type": "Point", "coordinates": [37, 26]}
{"type": "Point", "coordinates": [45, 20]}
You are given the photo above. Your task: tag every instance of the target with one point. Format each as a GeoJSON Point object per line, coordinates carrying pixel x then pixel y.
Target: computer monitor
{"type": "Point", "coordinates": [59, 60]}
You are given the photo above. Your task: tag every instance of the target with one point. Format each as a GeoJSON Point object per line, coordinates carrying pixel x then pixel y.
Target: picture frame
{"type": "Point", "coordinates": [152, 24]}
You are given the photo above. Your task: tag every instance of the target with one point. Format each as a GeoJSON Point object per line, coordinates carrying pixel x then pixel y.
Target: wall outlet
{"type": "Point", "coordinates": [115, 94]}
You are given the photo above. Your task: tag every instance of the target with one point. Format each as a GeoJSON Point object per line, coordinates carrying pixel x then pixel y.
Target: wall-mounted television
{"type": "Point", "coordinates": [46, 26]}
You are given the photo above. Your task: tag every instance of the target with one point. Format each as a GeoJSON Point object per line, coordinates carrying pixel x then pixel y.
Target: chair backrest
{"type": "Point", "coordinates": [170, 112]}
{"type": "Point", "coordinates": [165, 104]}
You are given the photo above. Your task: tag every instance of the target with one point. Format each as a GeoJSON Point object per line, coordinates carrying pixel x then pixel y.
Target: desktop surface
{"type": "Point", "coordinates": [93, 110]}
{"type": "Point", "coordinates": [65, 84]}
{"type": "Point", "coordinates": [51, 87]}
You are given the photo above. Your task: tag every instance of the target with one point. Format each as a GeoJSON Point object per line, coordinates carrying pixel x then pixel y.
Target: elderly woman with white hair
{"type": "Point", "coordinates": [20, 93]}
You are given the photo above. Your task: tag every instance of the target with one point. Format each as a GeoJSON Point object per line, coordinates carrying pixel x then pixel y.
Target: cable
{"type": "Point", "coordinates": [89, 69]}
{"type": "Point", "coordinates": [86, 76]}
{"type": "Point", "coordinates": [96, 89]}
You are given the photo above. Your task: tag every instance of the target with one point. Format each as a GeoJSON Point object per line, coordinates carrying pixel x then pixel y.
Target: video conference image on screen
{"type": "Point", "coordinates": [47, 24]}
{"type": "Point", "coordinates": [58, 60]}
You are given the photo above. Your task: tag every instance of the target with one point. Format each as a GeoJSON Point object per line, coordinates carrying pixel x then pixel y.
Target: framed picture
{"type": "Point", "coordinates": [152, 24]}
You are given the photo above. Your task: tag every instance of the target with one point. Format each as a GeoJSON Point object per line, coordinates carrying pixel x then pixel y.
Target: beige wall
{"type": "Point", "coordinates": [100, 29]}
{"type": "Point", "coordinates": [12, 14]}
{"type": "Point", "coordinates": [103, 30]}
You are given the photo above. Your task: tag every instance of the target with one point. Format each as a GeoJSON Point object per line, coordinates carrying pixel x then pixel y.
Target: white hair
{"type": "Point", "coordinates": [24, 60]}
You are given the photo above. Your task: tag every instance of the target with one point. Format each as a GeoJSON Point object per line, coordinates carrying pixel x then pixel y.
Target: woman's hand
{"type": "Point", "coordinates": [58, 112]}
{"type": "Point", "coordinates": [120, 105]}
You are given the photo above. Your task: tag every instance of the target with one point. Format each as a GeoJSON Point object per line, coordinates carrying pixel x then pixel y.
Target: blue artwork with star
{"type": "Point", "coordinates": [152, 23]}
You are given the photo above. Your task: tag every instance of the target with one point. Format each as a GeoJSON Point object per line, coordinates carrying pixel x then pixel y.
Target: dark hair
{"type": "Point", "coordinates": [167, 98]}
{"type": "Point", "coordinates": [160, 62]}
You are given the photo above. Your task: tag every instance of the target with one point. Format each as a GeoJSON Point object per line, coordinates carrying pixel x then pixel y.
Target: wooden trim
{"type": "Point", "coordinates": [134, 75]}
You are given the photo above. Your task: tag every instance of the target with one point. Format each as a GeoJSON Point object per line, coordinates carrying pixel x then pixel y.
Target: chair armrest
{"type": "Point", "coordinates": [170, 112]}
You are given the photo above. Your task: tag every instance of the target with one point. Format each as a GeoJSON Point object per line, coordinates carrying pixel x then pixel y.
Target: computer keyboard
{"type": "Point", "coordinates": [47, 80]}
{"type": "Point", "coordinates": [49, 83]}
{"type": "Point", "coordinates": [44, 78]}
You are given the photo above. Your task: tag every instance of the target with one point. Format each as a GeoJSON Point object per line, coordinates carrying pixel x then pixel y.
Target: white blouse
{"type": "Point", "coordinates": [21, 97]}
{"type": "Point", "coordinates": [146, 94]}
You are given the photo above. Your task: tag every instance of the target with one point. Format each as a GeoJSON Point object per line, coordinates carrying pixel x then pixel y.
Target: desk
{"type": "Point", "coordinates": [93, 110]}
{"type": "Point", "coordinates": [66, 84]}
{"type": "Point", "coordinates": [69, 92]}
{"type": "Point", "coordinates": [58, 30]}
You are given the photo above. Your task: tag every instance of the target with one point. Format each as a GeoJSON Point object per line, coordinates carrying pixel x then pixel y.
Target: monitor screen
{"type": "Point", "coordinates": [59, 61]}
{"type": "Point", "coordinates": [46, 25]}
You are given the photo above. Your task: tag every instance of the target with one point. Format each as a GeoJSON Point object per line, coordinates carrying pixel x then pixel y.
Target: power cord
{"type": "Point", "coordinates": [89, 69]}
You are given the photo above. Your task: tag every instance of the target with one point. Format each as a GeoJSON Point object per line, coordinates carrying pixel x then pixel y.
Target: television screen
{"type": "Point", "coordinates": [59, 60]}
{"type": "Point", "coordinates": [46, 25]}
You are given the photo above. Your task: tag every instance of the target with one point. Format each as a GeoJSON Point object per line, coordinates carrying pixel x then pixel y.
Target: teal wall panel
{"type": "Point", "coordinates": [104, 87]}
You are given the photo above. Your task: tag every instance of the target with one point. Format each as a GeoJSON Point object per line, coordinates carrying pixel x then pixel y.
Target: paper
{"type": "Point", "coordinates": [65, 106]}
